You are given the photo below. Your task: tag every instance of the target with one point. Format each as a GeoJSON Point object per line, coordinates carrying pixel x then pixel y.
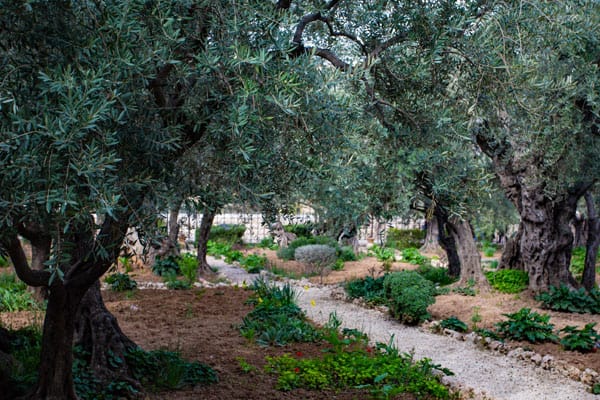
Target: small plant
{"type": "Point", "coordinates": [583, 340]}
{"type": "Point", "coordinates": [527, 325]}
{"type": "Point", "coordinates": [338, 265]}
{"type": "Point", "coordinates": [346, 253]}
{"type": "Point", "coordinates": [565, 299]}
{"type": "Point", "coordinates": [267, 243]}
{"type": "Point", "coordinates": [370, 289]}
{"type": "Point", "coordinates": [455, 324]}
{"type": "Point", "coordinates": [171, 282]}
{"type": "Point", "coordinates": [437, 275]}
{"type": "Point", "coordinates": [317, 257]}
{"type": "Point", "coordinates": [412, 255]}
{"type": "Point", "coordinates": [254, 263]}
{"type": "Point", "coordinates": [493, 264]}
{"type": "Point", "coordinates": [468, 290]}
{"type": "Point", "coordinates": [125, 262]}
{"type": "Point", "coordinates": [14, 295]}
{"type": "Point", "coordinates": [3, 262]}
{"type": "Point", "coordinates": [166, 266]}
{"type": "Point", "coordinates": [188, 265]}
{"type": "Point", "coordinates": [508, 280]}
{"type": "Point", "coordinates": [245, 366]}
{"type": "Point", "coordinates": [475, 317]}
{"type": "Point", "coordinates": [120, 282]}
{"type": "Point", "coordinates": [409, 295]}
{"type": "Point", "coordinates": [382, 253]}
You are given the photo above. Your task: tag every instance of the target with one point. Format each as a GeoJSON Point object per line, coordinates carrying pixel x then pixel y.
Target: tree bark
{"type": "Point", "coordinates": [56, 362]}
{"type": "Point", "coordinates": [207, 221]}
{"type": "Point", "coordinates": [431, 244]}
{"type": "Point", "coordinates": [471, 272]}
{"type": "Point", "coordinates": [588, 280]}
{"type": "Point", "coordinates": [173, 229]}
{"type": "Point", "coordinates": [511, 254]}
{"type": "Point", "coordinates": [447, 241]}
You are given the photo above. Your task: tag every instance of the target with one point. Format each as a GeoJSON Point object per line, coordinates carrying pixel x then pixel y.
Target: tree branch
{"type": "Point", "coordinates": [14, 248]}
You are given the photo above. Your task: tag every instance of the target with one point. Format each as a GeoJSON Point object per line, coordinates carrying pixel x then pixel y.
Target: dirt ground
{"type": "Point", "coordinates": [202, 325]}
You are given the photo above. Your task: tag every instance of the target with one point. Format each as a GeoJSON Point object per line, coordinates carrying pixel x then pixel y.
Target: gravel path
{"type": "Point", "coordinates": [488, 375]}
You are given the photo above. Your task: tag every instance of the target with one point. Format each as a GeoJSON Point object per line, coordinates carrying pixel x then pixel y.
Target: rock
{"type": "Point", "coordinates": [547, 362]}
{"type": "Point", "coordinates": [537, 359]}
{"type": "Point", "coordinates": [527, 355]}
{"type": "Point", "coordinates": [496, 345]}
{"type": "Point", "coordinates": [589, 376]}
{"type": "Point", "coordinates": [516, 353]}
{"type": "Point", "coordinates": [573, 372]}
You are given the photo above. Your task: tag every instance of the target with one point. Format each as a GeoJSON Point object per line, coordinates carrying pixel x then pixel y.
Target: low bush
{"type": "Point", "coordinates": [3, 262]}
{"type": "Point", "coordinates": [300, 230]}
{"type": "Point", "coordinates": [527, 325]}
{"type": "Point", "coordinates": [288, 253]}
{"type": "Point", "coordinates": [120, 282]}
{"type": "Point", "coordinates": [173, 283]}
{"type": "Point", "coordinates": [413, 256]}
{"type": "Point", "coordinates": [403, 238]}
{"type": "Point", "coordinates": [370, 289]}
{"type": "Point", "coordinates": [317, 257]}
{"type": "Point", "coordinates": [267, 243]}
{"type": "Point", "coordinates": [583, 340]}
{"type": "Point", "coordinates": [565, 299]}
{"type": "Point", "coordinates": [253, 263]}
{"type": "Point", "coordinates": [508, 280]}
{"type": "Point", "coordinates": [382, 253]}
{"type": "Point", "coordinates": [409, 295]}
{"type": "Point", "coordinates": [166, 266]}
{"type": "Point", "coordinates": [188, 265]}
{"type": "Point", "coordinates": [437, 275]}
{"type": "Point", "coordinates": [346, 253]}
{"type": "Point", "coordinates": [455, 324]}
{"type": "Point", "coordinates": [276, 318]}
{"type": "Point", "coordinates": [231, 234]}
{"type": "Point", "coordinates": [577, 261]}
{"type": "Point", "coordinates": [14, 295]}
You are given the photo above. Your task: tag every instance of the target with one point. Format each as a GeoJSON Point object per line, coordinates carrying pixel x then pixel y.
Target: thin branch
{"type": "Point", "coordinates": [14, 248]}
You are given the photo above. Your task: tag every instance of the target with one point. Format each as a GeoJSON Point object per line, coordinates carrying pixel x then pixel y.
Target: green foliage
{"type": "Point", "coordinates": [409, 295]}
{"type": "Point", "coordinates": [230, 234]}
{"type": "Point", "coordinates": [583, 340]}
{"type": "Point", "coordinates": [276, 318]}
{"type": "Point", "coordinates": [437, 275]}
{"type": "Point", "coordinates": [368, 288]}
{"type": "Point", "coordinates": [173, 283]}
{"type": "Point", "coordinates": [288, 253]}
{"type": "Point", "coordinates": [346, 253]}
{"type": "Point", "coordinates": [413, 256]}
{"type": "Point", "coordinates": [577, 261]}
{"type": "Point", "coordinates": [455, 324]}
{"type": "Point", "coordinates": [338, 265]}
{"type": "Point", "coordinates": [119, 282]}
{"type": "Point", "coordinates": [25, 348]}
{"type": "Point", "coordinates": [166, 266]}
{"type": "Point", "coordinates": [14, 295]}
{"type": "Point", "coordinates": [3, 262]}
{"type": "Point", "coordinates": [254, 263]}
{"type": "Point", "coordinates": [300, 230]}
{"type": "Point", "coordinates": [527, 325]}
{"type": "Point", "coordinates": [188, 265]}
{"type": "Point", "coordinates": [564, 299]}
{"type": "Point", "coordinates": [267, 243]}
{"type": "Point", "coordinates": [508, 280]}
{"type": "Point", "coordinates": [382, 253]}
{"type": "Point", "coordinates": [317, 257]}
{"type": "Point", "coordinates": [381, 369]}
{"type": "Point", "coordinates": [403, 238]}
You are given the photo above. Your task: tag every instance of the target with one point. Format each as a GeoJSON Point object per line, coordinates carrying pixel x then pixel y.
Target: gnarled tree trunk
{"type": "Point", "coordinates": [431, 244]}
{"type": "Point", "coordinates": [511, 254]}
{"type": "Point", "coordinates": [207, 221]}
{"type": "Point", "coordinates": [471, 272]}
{"type": "Point", "coordinates": [446, 240]}
{"type": "Point", "coordinates": [588, 280]}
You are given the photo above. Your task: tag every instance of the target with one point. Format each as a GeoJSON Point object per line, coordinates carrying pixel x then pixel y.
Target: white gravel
{"type": "Point", "coordinates": [486, 374]}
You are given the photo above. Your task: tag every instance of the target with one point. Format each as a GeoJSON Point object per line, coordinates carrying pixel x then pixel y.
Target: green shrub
{"type": "Point", "coordinates": [437, 275]}
{"type": "Point", "coordinates": [3, 262]}
{"type": "Point", "coordinates": [338, 265]}
{"type": "Point", "coordinates": [267, 243]}
{"type": "Point", "coordinates": [413, 256]}
{"type": "Point", "coordinates": [317, 256]}
{"type": "Point", "coordinates": [276, 318]}
{"type": "Point", "coordinates": [300, 230]}
{"type": "Point", "coordinates": [404, 238]}
{"type": "Point", "coordinates": [166, 266]}
{"type": "Point", "coordinates": [225, 233]}
{"type": "Point", "coordinates": [455, 324]}
{"type": "Point", "coordinates": [120, 282]}
{"type": "Point", "coordinates": [346, 253]}
{"type": "Point", "coordinates": [370, 289]}
{"type": "Point", "coordinates": [382, 253]}
{"type": "Point", "coordinates": [14, 295]}
{"type": "Point", "coordinates": [254, 263]}
{"type": "Point", "coordinates": [489, 251]}
{"type": "Point", "coordinates": [577, 261]}
{"type": "Point", "coordinates": [564, 299]}
{"type": "Point", "coordinates": [583, 340]}
{"type": "Point", "coordinates": [527, 325]}
{"type": "Point", "coordinates": [493, 264]}
{"type": "Point", "coordinates": [188, 265]}
{"type": "Point", "coordinates": [171, 282]}
{"type": "Point", "coordinates": [409, 295]}
{"type": "Point", "coordinates": [508, 280]}
{"type": "Point", "coordinates": [288, 253]}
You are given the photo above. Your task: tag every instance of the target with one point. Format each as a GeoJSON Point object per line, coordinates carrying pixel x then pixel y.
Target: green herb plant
{"type": "Point", "coordinates": [527, 325]}
{"type": "Point", "coordinates": [583, 340]}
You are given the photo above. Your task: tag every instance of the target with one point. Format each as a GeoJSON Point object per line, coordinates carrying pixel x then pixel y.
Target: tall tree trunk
{"type": "Point", "coordinates": [511, 254]}
{"type": "Point", "coordinates": [99, 334]}
{"type": "Point", "coordinates": [207, 221]}
{"type": "Point", "coordinates": [588, 280]}
{"type": "Point", "coordinates": [431, 244]}
{"type": "Point", "coordinates": [447, 241]}
{"type": "Point", "coordinates": [173, 229]}
{"type": "Point", "coordinates": [470, 259]}
{"type": "Point", "coordinates": [547, 240]}
{"type": "Point", "coordinates": [55, 373]}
